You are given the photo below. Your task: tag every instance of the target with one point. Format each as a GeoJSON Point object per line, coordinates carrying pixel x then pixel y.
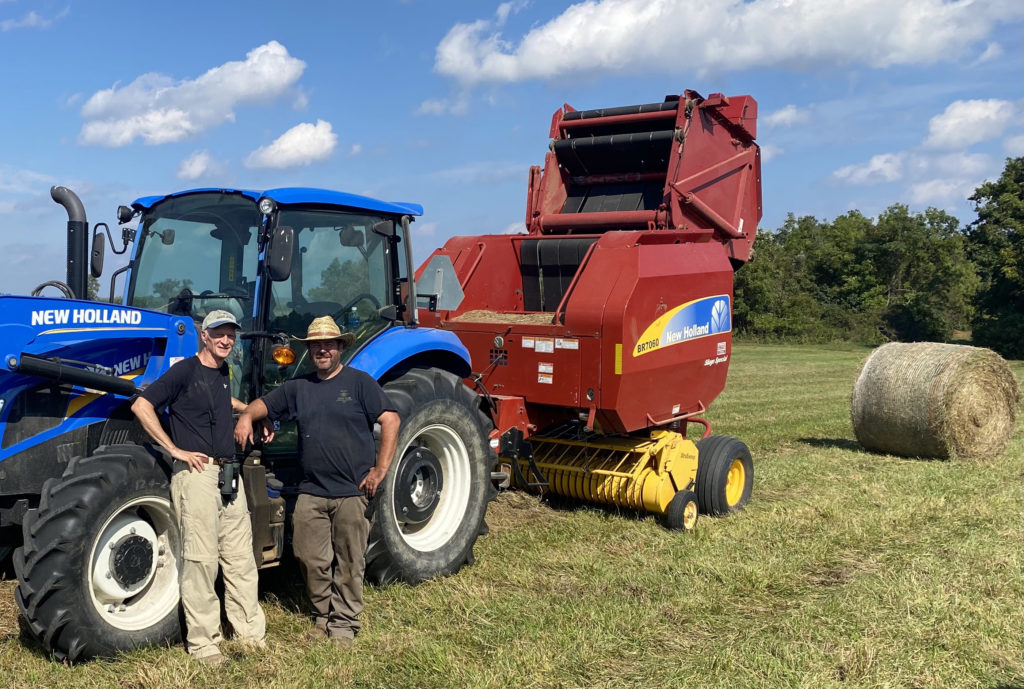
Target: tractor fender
{"type": "Point", "coordinates": [388, 351]}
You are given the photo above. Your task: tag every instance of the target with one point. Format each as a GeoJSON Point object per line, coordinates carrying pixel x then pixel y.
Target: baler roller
{"type": "Point", "coordinates": [614, 153]}
{"type": "Point", "coordinates": [637, 473]}
{"type": "Point", "coordinates": [664, 106]}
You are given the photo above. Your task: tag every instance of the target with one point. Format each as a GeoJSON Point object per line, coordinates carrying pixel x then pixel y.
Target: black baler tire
{"type": "Point", "coordinates": [716, 454]}
{"type": "Point", "coordinates": [675, 513]}
{"type": "Point", "coordinates": [53, 566]}
{"type": "Point", "coordinates": [432, 398]}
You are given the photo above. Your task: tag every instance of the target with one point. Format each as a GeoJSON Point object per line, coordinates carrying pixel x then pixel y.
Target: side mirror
{"type": "Point", "coordinates": [98, 248]}
{"type": "Point", "coordinates": [167, 237]}
{"type": "Point", "coordinates": [280, 250]}
{"type": "Point", "coordinates": [385, 228]}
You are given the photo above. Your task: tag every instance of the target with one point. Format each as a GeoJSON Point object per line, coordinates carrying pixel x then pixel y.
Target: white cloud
{"type": "Point", "coordinates": [992, 51]}
{"type": "Point", "coordinates": [786, 117]}
{"type": "Point", "coordinates": [444, 106]}
{"type": "Point", "coordinates": [769, 151]}
{"type": "Point", "coordinates": [1014, 145]}
{"type": "Point", "coordinates": [301, 145]}
{"type": "Point", "coordinates": [195, 166]}
{"type": "Point", "coordinates": [515, 228]}
{"type": "Point", "coordinates": [485, 172]}
{"type": "Point", "coordinates": [159, 110]}
{"type": "Point", "coordinates": [32, 20]}
{"type": "Point", "coordinates": [18, 181]}
{"type": "Point", "coordinates": [967, 122]}
{"type": "Point", "coordinates": [945, 192]}
{"type": "Point", "coordinates": [884, 167]}
{"type": "Point", "coordinates": [598, 36]}
{"type": "Point", "coordinates": [427, 229]}
{"type": "Point", "coordinates": [355, 150]}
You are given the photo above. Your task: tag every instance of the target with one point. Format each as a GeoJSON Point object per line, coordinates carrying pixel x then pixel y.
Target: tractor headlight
{"type": "Point", "coordinates": [266, 205]}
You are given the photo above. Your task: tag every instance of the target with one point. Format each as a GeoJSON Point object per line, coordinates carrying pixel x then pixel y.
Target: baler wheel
{"type": "Point", "coordinates": [432, 503]}
{"type": "Point", "coordinates": [725, 475]}
{"type": "Point", "coordinates": [98, 572]}
{"type": "Point", "coordinates": [681, 514]}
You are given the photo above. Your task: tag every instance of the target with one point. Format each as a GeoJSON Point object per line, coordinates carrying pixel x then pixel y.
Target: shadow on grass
{"type": "Point", "coordinates": [836, 444]}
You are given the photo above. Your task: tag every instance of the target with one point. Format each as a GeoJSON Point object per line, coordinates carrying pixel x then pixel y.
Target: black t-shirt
{"type": "Point", "coordinates": [187, 389]}
{"type": "Point", "coordinates": [335, 419]}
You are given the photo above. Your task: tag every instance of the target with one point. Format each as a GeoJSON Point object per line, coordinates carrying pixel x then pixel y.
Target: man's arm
{"type": "Point", "coordinates": [237, 405]}
{"type": "Point", "coordinates": [146, 413]}
{"type": "Point", "coordinates": [389, 423]}
{"type": "Point", "coordinates": [254, 411]}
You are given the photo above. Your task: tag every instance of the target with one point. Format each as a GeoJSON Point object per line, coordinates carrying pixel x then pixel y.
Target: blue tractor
{"type": "Point", "coordinates": [84, 502]}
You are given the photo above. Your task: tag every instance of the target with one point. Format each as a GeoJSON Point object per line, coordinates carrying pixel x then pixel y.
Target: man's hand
{"type": "Point", "coordinates": [195, 460]}
{"type": "Point", "coordinates": [373, 480]}
{"type": "Point", "coordinates": [255, 411]}
{"type": "Point", "coordinates": [267, 430]}
{"type": "Point", "coordinates": [243, 431]}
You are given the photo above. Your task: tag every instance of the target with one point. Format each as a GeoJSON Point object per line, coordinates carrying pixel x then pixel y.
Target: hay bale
{"type": "Point", "coordinates": [926, 399]}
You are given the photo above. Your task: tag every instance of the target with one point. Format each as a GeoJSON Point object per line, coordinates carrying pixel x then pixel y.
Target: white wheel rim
{"type": "Point", "coordinates": [143, 603]}
{"type": "Point", "coordinates": [452, 455]}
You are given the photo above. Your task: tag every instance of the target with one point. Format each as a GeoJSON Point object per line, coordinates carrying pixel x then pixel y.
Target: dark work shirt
{"type": "Point", "coordinates": [187, 389]}
{"type": "Point", "coordinates": [335, 419]}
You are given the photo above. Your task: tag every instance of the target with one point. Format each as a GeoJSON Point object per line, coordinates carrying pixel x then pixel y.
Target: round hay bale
{"type": "Point", "coordinates": [927, 399]}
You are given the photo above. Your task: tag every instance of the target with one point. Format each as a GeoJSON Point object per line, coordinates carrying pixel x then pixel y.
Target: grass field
{"type": "Point", "coordinates": [847, 569]}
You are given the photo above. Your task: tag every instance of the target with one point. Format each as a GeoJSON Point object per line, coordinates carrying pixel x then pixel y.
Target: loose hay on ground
{"type": "Point", "coordinates": [927, 399]}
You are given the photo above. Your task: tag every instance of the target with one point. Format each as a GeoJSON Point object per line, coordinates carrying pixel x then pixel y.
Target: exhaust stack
{"type": "Point", "coordinates": [78, 239]}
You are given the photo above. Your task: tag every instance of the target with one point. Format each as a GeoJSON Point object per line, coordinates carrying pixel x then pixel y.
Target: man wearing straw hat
{"type": "Point", "coordinates": [215, 526]}
{"type": "Point", "coordinates": [335, 407]}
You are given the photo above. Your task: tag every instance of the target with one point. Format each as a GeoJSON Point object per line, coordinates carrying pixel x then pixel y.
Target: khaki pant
{"type": "Point", "coordinates": [215, 533]}
{"type": "Point", "coordinates": [329, 538]}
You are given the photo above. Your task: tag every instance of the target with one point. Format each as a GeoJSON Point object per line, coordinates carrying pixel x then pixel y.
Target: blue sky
{"type": "Point", "coordinates": [862, 103]}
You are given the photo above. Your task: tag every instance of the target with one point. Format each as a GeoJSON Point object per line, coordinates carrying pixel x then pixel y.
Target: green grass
{"type": "Point", "coordinates": [846, 569]}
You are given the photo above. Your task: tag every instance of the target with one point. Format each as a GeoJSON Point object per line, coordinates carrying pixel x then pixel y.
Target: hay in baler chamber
{"type": "Point", "coordinates": [927, 399]}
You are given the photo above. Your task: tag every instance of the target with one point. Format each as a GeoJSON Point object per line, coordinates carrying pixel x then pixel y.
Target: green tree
{"type": "Point", "coordinates": [997, 246]}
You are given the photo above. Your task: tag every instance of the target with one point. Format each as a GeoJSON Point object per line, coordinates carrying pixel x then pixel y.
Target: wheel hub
{"type": "Point", "coordinates": [131, 560]}
{"type": "Point", "coordinates": [418, 486]}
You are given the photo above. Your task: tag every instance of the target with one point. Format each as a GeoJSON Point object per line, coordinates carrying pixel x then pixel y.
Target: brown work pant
{"type": "Point", "coordinates": [215, 533]}
{"type": "Point", "coordinates": [329, 538]}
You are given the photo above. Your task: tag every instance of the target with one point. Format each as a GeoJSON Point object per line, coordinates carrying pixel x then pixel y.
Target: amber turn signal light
{"type": "Point", "coordinates": [284, 356]}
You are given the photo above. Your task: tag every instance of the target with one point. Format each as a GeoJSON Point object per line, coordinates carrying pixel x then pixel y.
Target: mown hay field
{"type": "Point", "coordinates": [847, 569]}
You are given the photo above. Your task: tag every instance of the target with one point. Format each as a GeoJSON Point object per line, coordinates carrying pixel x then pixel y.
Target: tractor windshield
{"type": "Point", "coordinates": [340, 269]}
{"type": "Point", "coordinates": [197, 253]}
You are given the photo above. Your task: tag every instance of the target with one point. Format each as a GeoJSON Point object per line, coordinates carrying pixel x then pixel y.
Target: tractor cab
{"type": "Point", "coordinates": [276, 261]}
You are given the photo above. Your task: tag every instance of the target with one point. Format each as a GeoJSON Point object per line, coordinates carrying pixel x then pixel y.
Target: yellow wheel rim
{"type": "Point", "coordinates": [690, 515]}
{"type": "Point", "coordinates": [735, 483]}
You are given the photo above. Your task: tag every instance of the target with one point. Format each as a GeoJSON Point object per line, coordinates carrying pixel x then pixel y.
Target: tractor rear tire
{"type": "Point", "coordinates": [725, 475]}
{"type": "Point", "coordinates": [430, 508]}
{"type": "Point", "coordinates": [98, 571]}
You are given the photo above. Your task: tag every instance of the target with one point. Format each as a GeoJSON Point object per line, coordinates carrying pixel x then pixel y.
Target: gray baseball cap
{"type": "Point", "coordinates": [219, 317]}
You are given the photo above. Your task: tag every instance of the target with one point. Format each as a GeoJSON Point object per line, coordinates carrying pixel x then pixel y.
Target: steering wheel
{"type": "Point", "coordinates": [343, 312]}
{"type": "Point", "coordinates": [210, 294]}
{"type": "Point", "coordinates": [63, 287]}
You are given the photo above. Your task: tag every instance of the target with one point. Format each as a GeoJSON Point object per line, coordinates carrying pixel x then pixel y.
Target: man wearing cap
{"type": "Point", "coordinates": [336, 407]}
{"type": "Point", "coordinates": [215, 528]}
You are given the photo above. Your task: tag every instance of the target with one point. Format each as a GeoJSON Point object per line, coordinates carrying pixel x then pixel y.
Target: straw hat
{"type": "Point", "coordinates": [324, 328]}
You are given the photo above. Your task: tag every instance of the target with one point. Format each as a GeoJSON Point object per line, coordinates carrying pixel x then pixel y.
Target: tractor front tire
{"type": "Point", "coordinates": [725, 475]}
{"type": "Point", "coordinates": [98, 571]}
{"type": "Point", "coordinates": [431, 505]}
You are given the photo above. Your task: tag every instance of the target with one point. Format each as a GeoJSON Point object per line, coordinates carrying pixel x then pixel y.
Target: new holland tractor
{"type": "Point", "coordinates": [567, 360]}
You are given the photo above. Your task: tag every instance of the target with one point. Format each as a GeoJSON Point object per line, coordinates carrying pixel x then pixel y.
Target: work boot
{"type": "Point", "coordinates": [214, 659]}
{"type": "Point", "coordinates": [342, 642]}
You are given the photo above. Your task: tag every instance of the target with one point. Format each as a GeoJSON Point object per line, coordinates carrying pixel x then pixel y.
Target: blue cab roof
{"type": "Point", "coordinates": [286, 196]}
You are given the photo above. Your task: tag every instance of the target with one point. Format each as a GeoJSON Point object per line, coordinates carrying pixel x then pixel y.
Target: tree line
{"type": "Point", "coordinates": [901, 276]}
